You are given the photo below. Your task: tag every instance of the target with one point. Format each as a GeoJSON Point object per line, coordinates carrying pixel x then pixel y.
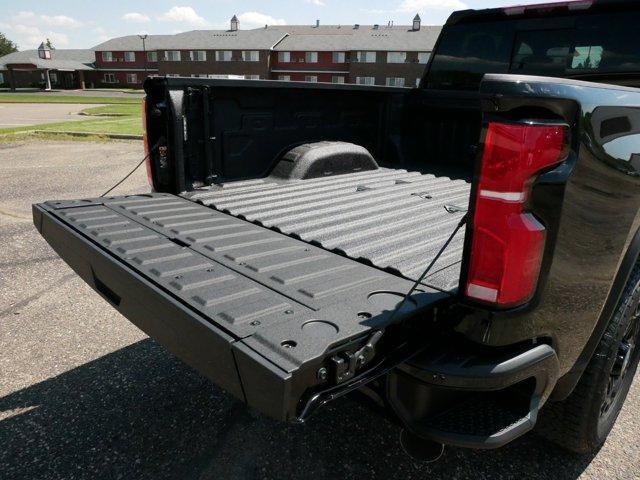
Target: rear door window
{"type": "Point", "coordinates": [541, 52]}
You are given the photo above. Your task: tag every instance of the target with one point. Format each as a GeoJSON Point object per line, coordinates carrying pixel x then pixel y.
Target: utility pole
{"type": "Point", "coordinates": [144, 53]}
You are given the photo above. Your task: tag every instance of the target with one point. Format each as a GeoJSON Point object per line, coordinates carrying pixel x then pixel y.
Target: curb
{"type": "Point", "coordinates": [116, 136]}
{"type": "Point", "coordinates": [103, 114]}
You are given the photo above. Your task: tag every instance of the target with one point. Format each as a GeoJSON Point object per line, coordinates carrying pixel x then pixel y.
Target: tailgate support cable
{"type": "Point", "coordinates": [346, 366]}
{"type": "Point", "coordinates": [462, 221]}
{"type": "Point", "coordinates": [151, 150]}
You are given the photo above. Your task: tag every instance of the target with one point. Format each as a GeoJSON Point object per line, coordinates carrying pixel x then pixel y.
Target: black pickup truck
{"type": "Point", "coordinates": [283, 251]}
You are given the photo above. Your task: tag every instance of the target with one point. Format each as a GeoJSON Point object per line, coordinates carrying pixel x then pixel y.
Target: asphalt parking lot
{"type": "Point", "coordinates": [85, 394]}
{"type": "Point", "coordinates": [23, 114]}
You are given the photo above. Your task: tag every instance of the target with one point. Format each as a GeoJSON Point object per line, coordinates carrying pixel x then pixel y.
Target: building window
{"type": "Point", "coordinates": [284, 57]}
{"type": "Point", "coordinates": [172, 55]}
{"type": "Point", "coordinates": [395, 82]}
{"type": "Point", "coordinates": [53, 76]}
{"type": "Point", "coordinates": [250, 56]}
{"type": "Point", "coordinates": [198, 56]}
{"type": "Point", "coordinates": [284, 78]}
{"type": "Point", "coordinates": [132, 78]}
{"type": "Point", "coordinates": [337, 79]}
{"type": "Point", "coordinates": [423, 57]}
{"type": "Point", "coordinates": [338, 57]}
{"type": "Point", "coordinates": [396, 57]}
{"type": "Point", "coordinates": [366, 57]}
{"type": "Point", "coordinates": [417, 82]}
{"type": "Point", "coordinates": [311, 57]}
{"type": "Point", "coordinates": [252, 77]}
{"type": "Point", "coordinates": [311, 78]}
{"type": "Point", "coordinates": [1, 77]}
{"type": "Point", "coordinates": [107, 56]}
{"type": "Point", "coordinates": [366, 80]}
{"type": "Point", "coordinates": [129, 56]}
{"type": "Point", "coordinates": [152, 56]}
{"type": "Point", "coordinates": [223, 55]}
{"type": "Point", "coordinates": [172, 75]}
{"type": "Point", "coordinates": [110, 78]}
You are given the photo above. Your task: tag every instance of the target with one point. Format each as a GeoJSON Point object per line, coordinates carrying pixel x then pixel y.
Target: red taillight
{"type": "Point", "coordinates": [145, 141]}
{"type": "Point", "coordinates": [507, 242]}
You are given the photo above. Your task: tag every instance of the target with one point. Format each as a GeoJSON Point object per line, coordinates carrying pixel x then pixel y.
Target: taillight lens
{"type": "Point", "coordinates": [507, 242]}
{"type": "Point", "coordinates": [145, 141]}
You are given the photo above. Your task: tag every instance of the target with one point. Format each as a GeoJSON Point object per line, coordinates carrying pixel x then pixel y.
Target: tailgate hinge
{"type": "Point", "coordinates": [346, 364]}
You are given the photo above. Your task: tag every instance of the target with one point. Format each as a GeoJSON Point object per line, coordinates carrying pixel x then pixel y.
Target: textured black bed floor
{"type": "Point", "coordinates": [392, 219]}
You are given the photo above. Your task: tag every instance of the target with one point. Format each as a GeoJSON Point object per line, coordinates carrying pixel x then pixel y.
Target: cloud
{"type": "Point", "coordinates": [27, 17]}
{"type": "Point", "coordinates": [28, 29]}
{"type": "Point", "coordinates": [317, 3]}
{"type": "Point", "coordinates": [32, 37]}
{"type": "Point", "coordinates": [60, 21]}
{"type": "Point", "coordinates": [136, 17]}
{"type": "Point", "coordinates": [58, 39]}
{"type": "Point", "coordinates": [256, 19]}
{"type": "Point", "coordinates": [423, 6]}
{"type": "Point", "coordinates": [182, 15]}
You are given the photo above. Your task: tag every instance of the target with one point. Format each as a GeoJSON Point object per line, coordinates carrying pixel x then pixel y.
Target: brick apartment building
{"type": "Point", "coordinates": [365, 54]}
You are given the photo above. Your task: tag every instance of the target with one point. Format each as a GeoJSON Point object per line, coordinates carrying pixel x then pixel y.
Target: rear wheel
{"type": "Point", "coordinates": [582, 421]}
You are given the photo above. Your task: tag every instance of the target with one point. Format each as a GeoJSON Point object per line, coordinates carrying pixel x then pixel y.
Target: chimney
{"type": "Point", "coordinates": [235, 23]}
{"type": "Point", "coordinates": [317, 23]}
{"type": "Point", "coordinates": [416, 22]}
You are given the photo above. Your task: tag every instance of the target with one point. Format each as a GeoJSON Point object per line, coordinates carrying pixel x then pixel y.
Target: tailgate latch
{"type": "Point", "coordinates": [346, 364]}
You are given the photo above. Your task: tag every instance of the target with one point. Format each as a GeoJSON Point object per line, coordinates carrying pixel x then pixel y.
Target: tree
{"type": "Point", "coordinates": [49, 44]}
{"type": "Point", "coordinates": [6, 45]}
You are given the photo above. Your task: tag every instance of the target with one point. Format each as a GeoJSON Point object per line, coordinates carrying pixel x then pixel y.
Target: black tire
{"type": "Point", "coordinates": [582, 422]}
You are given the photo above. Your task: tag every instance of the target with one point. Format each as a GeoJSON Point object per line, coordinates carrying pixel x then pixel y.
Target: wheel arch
{"type": "Point", "coordinates": [568, 382]}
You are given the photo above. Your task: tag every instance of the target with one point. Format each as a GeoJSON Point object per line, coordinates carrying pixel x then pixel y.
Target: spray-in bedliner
{"type": "Point", "coordinates": [393, 219]}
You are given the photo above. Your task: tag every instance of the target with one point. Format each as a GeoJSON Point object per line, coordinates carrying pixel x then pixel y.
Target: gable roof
{"type": "Point", "coordinates": [365, 37]}
{"type": "Point", "coordinates": [64, 59]}
{"type": "Point", "coordinates": [257, 39]}
{"type": "Point", "coordinates": [288, 37]}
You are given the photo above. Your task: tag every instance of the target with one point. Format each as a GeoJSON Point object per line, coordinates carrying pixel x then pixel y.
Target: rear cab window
{"type": "Point", "coordinates": [573, 45]}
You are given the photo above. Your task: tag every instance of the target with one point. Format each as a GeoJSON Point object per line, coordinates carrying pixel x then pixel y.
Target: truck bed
{"type": "Point", "coordinates": [257, 311]}
{"type": "Point", "coordinates": [392, 219]}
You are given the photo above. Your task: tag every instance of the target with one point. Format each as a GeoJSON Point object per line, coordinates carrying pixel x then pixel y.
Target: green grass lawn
{"type": "Point", "coordinates": [26, 98]}
{"type": "Point", "coordinates": [129, 122]}
{"type": "Point", "coordinates": [130, 110]}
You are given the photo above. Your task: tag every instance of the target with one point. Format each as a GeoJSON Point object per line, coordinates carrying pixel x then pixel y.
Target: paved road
{"type": "Point", "coordinates": [24, 114]}
{"type": "Point", "coordinates": [76, 93]}
{"type": "Point", "coordinates": [85, 394]}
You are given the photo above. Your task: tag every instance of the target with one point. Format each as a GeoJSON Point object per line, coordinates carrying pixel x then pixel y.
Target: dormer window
{"type": "Point", "coordinates": [235, 24]}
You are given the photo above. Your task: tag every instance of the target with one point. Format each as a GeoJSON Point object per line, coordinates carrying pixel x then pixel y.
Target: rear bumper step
{"type": "Point", "coordinates": [256, 311]}
{"type": "Point", "coordinates": [475, 401]}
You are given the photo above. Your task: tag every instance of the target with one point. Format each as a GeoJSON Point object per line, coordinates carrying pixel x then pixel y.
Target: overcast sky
{"type": "Point", "coordinates": [82, 24]}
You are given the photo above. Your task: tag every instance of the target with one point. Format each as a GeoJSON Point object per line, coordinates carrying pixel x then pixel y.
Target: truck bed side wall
{"type": "Point", "coordinates": [598, 198]}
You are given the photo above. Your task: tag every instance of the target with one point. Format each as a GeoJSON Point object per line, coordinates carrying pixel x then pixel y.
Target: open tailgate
{"type": "Point", "coordinates": [268, 317]}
